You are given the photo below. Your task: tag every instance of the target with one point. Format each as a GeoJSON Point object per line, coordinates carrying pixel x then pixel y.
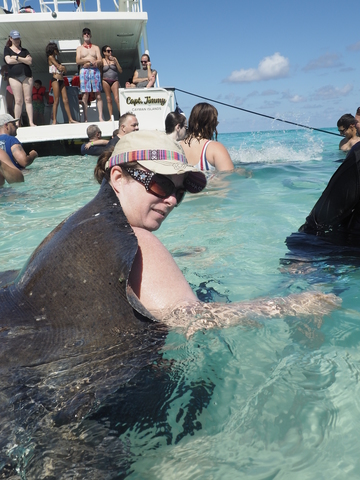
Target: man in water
{"type": "Point", "coordinates": [11, 145]}
{"type": "Point", "coordinates": [96, 145]}
{"type": "Point", "coordinates": [88, 57]}
{"type": "Point", "coordinates": [127, 123]}
{"type": "Point", "coordinates": [144, 77]}
{"type": "Point", "coordinates": [347, 128]}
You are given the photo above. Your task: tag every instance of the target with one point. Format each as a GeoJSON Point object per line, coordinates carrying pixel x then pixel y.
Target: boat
{"type": "Point", "coordinates": [123, 26]}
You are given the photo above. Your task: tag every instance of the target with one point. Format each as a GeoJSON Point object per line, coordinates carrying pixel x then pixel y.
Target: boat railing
{"type": "Point", "coordinates": [13, 6]}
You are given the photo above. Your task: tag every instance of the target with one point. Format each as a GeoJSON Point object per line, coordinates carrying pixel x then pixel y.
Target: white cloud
{"type": "Point", "coordinates": [272, 67]}
{"type": "Point", "coordinates": [329, 60]}
{"type": "Point", "coordinates": [329, 92]}
{"type": "Point", "coordinates": [354, 47]}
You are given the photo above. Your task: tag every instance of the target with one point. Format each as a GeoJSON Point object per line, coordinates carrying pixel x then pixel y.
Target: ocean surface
{"type": "Point", "coordinates": [280, 400]}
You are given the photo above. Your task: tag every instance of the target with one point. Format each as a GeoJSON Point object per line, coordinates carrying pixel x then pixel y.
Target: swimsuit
{"type": "Point", "coordinates": [90, 80]}
{"type": "Point", "coordinates": [110, 74]}
{"type": "Point", "coordinates": [53, 69]}
{"type": "Point", "coordinates": [203, 164]}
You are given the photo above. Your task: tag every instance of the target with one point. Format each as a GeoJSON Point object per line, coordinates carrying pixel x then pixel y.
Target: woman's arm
{"type": "Point", "coordinates": [118, 66]}
{"type": "Point", "coordinates": [218, 156]}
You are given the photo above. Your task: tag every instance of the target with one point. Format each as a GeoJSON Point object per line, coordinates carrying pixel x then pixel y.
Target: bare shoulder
{"type": "Point", "coordinates": [219, 156]}
{"type": "Point", "coordinates": [155, 277]}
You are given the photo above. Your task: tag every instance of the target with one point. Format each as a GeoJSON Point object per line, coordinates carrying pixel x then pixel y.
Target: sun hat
{"type": "Point", "coordinates": [14, 34]}
{"type": "Point", "coordinates": [159, 153]}
{"type": "Point", "coordinates": [6, 118]}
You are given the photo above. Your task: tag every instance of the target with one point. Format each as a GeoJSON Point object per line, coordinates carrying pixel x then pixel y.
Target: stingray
{"type": "Point", "coordinates": [72, 330]}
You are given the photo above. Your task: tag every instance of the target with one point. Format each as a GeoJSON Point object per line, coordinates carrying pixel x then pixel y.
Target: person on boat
{"type": "Point", "coordinates": [8, 172]}
{"type": "Point", "coordinates": [144, 77]}
{"type": "Point", "coordinates": [11, 145]}
{"type": "Point", "coordinates": [18, 60]}
{"type": "Point", "coordinates": [9, 96]}
{"type": "Point", "coordinates": [199, 146]}
{"type": "Point", "coordinates": [147, 176]}
{"type": "Point", "coordinates": [96, 145]}
{"type": "Point", "coordinates": [88, 57]}
{"type": "Point", "coordinates": [129, 83]}
{"type": "Point", "coordinates": [38, 97]}
{"type": "Point", "coordinates": [110, 78]}
{"type": "Point", "coordinates": [57, 82]}
{"type": "Point", "coordinates": [347, 128]}
{"type": "Point", "coordinates": [176, 125]}
{"type": "Point", "coordinates": [127, 123]}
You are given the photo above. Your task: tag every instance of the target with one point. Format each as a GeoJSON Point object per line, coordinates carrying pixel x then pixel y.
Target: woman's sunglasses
{"type": "Point", "coordinates": [158, 185]}
{"type": "Point", "coordinates": [108, 50]}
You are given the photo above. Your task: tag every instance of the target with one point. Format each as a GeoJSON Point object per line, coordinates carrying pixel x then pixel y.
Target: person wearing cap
{"type": "Point", "coordinates": [11, 145]}
{"type": "Point", "coordinates": [127, 123]}
{"type": "Point", "coordinates": [146, 177]}
{"type": "Point", "coordinates": [18, 60]}
{"type": "Point", "coordinates": [89, 59]}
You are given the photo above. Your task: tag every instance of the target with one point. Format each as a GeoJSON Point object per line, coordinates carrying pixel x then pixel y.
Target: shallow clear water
{"type": "Point", "coordinates": [280, 401]}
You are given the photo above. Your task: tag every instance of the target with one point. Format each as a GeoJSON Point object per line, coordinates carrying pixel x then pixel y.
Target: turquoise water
{"type": "Point", "coordinates": [278, 401]}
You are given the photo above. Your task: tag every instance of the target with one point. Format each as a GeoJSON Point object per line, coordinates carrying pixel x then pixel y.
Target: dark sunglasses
{"type": "Point", "coordinates": [108, 50]}
{"type": "Point", "coordinates": [158, 185]}
{"type": "Point", "coordinates": [86, 32]}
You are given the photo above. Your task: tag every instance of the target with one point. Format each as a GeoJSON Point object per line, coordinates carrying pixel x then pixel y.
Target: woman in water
{"type": "Point", "coordinates": [110, 79]}
{"type": "Point", "coordinates": [176, 125]}
{"type": "Point", "coordinates": [146, 176]}
{"type": "Point", "coordinates": [57, 82]}
{"type": "Point", "coordinates": [18, 60]}
{"type": "Point", "coordinates": [199, 146]}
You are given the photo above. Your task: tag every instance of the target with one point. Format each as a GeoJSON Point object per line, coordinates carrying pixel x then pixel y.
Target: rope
{"type": "Point", "coordinates": [260, 114]}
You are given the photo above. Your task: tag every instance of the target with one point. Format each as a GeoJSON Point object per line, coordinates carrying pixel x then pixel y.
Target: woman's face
{"type": "Point", "coordinates": [15, 41]}
{"type": "Point", "coordinates": [142, 208]}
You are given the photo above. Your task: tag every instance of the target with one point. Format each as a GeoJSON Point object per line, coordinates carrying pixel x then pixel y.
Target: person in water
{"type": "Point", "coordinates": [347, 128]}
{"type": "Point", "coordinates": [149, 176]}
{"type": "Point", "coordinates": [96, 145]}
{"type": "Point", "coordinates": [8, 172]}
{"type": "Point", "coordinates": [176, 125]}
{"type": "Point", "coordinates": [200, 145]}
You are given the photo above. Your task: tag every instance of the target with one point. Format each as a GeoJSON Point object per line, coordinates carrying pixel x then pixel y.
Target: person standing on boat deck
{"type": "Point", "coordinates": [57, 82]}
{"type": "Point", "coordinates": [200, 149]}
{"type": "Point", "coordinates": [144, 77]}
{"type": "Point", "coordinates": [38, 94]}
{"type": "Point", "coordinates": [127, 123]}
{"type": "Point", "coordinates": [19, 60]}
{"type": "Point", "coordinates": [347, 128]}
{"type": "Point", "coordinates": [176, 125]}
{"type": "Point", "coordinates": [9, 93]}
{"type": "Point", "coordinates": [88, 57]}
{"type": "Point", "coordinates": [110, 79]}
{"type": "Point", "coordinates": [11, 145]}
{"type": "Point", "coordinates": [96, 145]}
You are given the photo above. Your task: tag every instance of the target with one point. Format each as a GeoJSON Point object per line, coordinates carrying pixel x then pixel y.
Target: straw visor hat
{"type": "Point", "coordinates": [158, 153]}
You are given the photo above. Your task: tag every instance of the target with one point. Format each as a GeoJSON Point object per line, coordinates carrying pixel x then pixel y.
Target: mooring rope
{"type": "Point", "coordinates": [260, 114]}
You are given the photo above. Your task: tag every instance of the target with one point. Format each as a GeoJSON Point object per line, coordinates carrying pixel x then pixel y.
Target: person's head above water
{"type": "Point", "coordinates": [345, 122]}
{"type": "Point", "coordinates": [203, 121]}
{"type": "Point", "coordinates": [150, 175]}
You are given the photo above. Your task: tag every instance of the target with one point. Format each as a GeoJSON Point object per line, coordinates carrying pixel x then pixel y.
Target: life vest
{"type": "Point", "coordinates": [38, 95]}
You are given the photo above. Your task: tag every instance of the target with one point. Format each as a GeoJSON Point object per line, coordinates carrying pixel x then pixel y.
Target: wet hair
{"type": "Point", "coordinates": [173, 119]}
{"type": "Point", "coordinates": [346, 120]}
{"type": "Point", "coordinates": [100, 173]}
{"type": "Point", "coordinates": [9, 43]}
{"type": "Point", "coordinates": [51, 48]}
{"type": "Point", "coordinates": [202, 122]}
{"type": "Point", "coordinates": [124, 117]}
{"type": "Point", "coordinates": [92, 130]}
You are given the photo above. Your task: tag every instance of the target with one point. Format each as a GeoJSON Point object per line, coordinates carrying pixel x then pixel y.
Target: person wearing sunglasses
{"type": "Point", "coordinates": [147, 176]}
{"type": "Point", "coordinates": [144, 77]}
{"type": "Point", "coordinates": [176, 125]}
{"type": "Point", "coordinates": [347, 128]}
{"type": "Point", "coordinates": [110, 79]}
{"type": "Point", "coordinates": [88, 58]}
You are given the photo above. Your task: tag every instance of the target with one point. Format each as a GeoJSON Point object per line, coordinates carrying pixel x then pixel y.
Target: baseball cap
{"type": "Point", "coordinates": [158, 153]}
{"type": "Point", "coordinates": [7, 118]}
{"type": "Point", "coordinates": [14, 34]}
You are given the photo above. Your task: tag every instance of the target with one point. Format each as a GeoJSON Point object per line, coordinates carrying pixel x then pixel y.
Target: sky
{"type": "Point", "coordinates": [299, 61]}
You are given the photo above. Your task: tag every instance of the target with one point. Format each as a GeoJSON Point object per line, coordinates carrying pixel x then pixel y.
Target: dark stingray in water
{"type": "Point", "coordinates": [72, 331]}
